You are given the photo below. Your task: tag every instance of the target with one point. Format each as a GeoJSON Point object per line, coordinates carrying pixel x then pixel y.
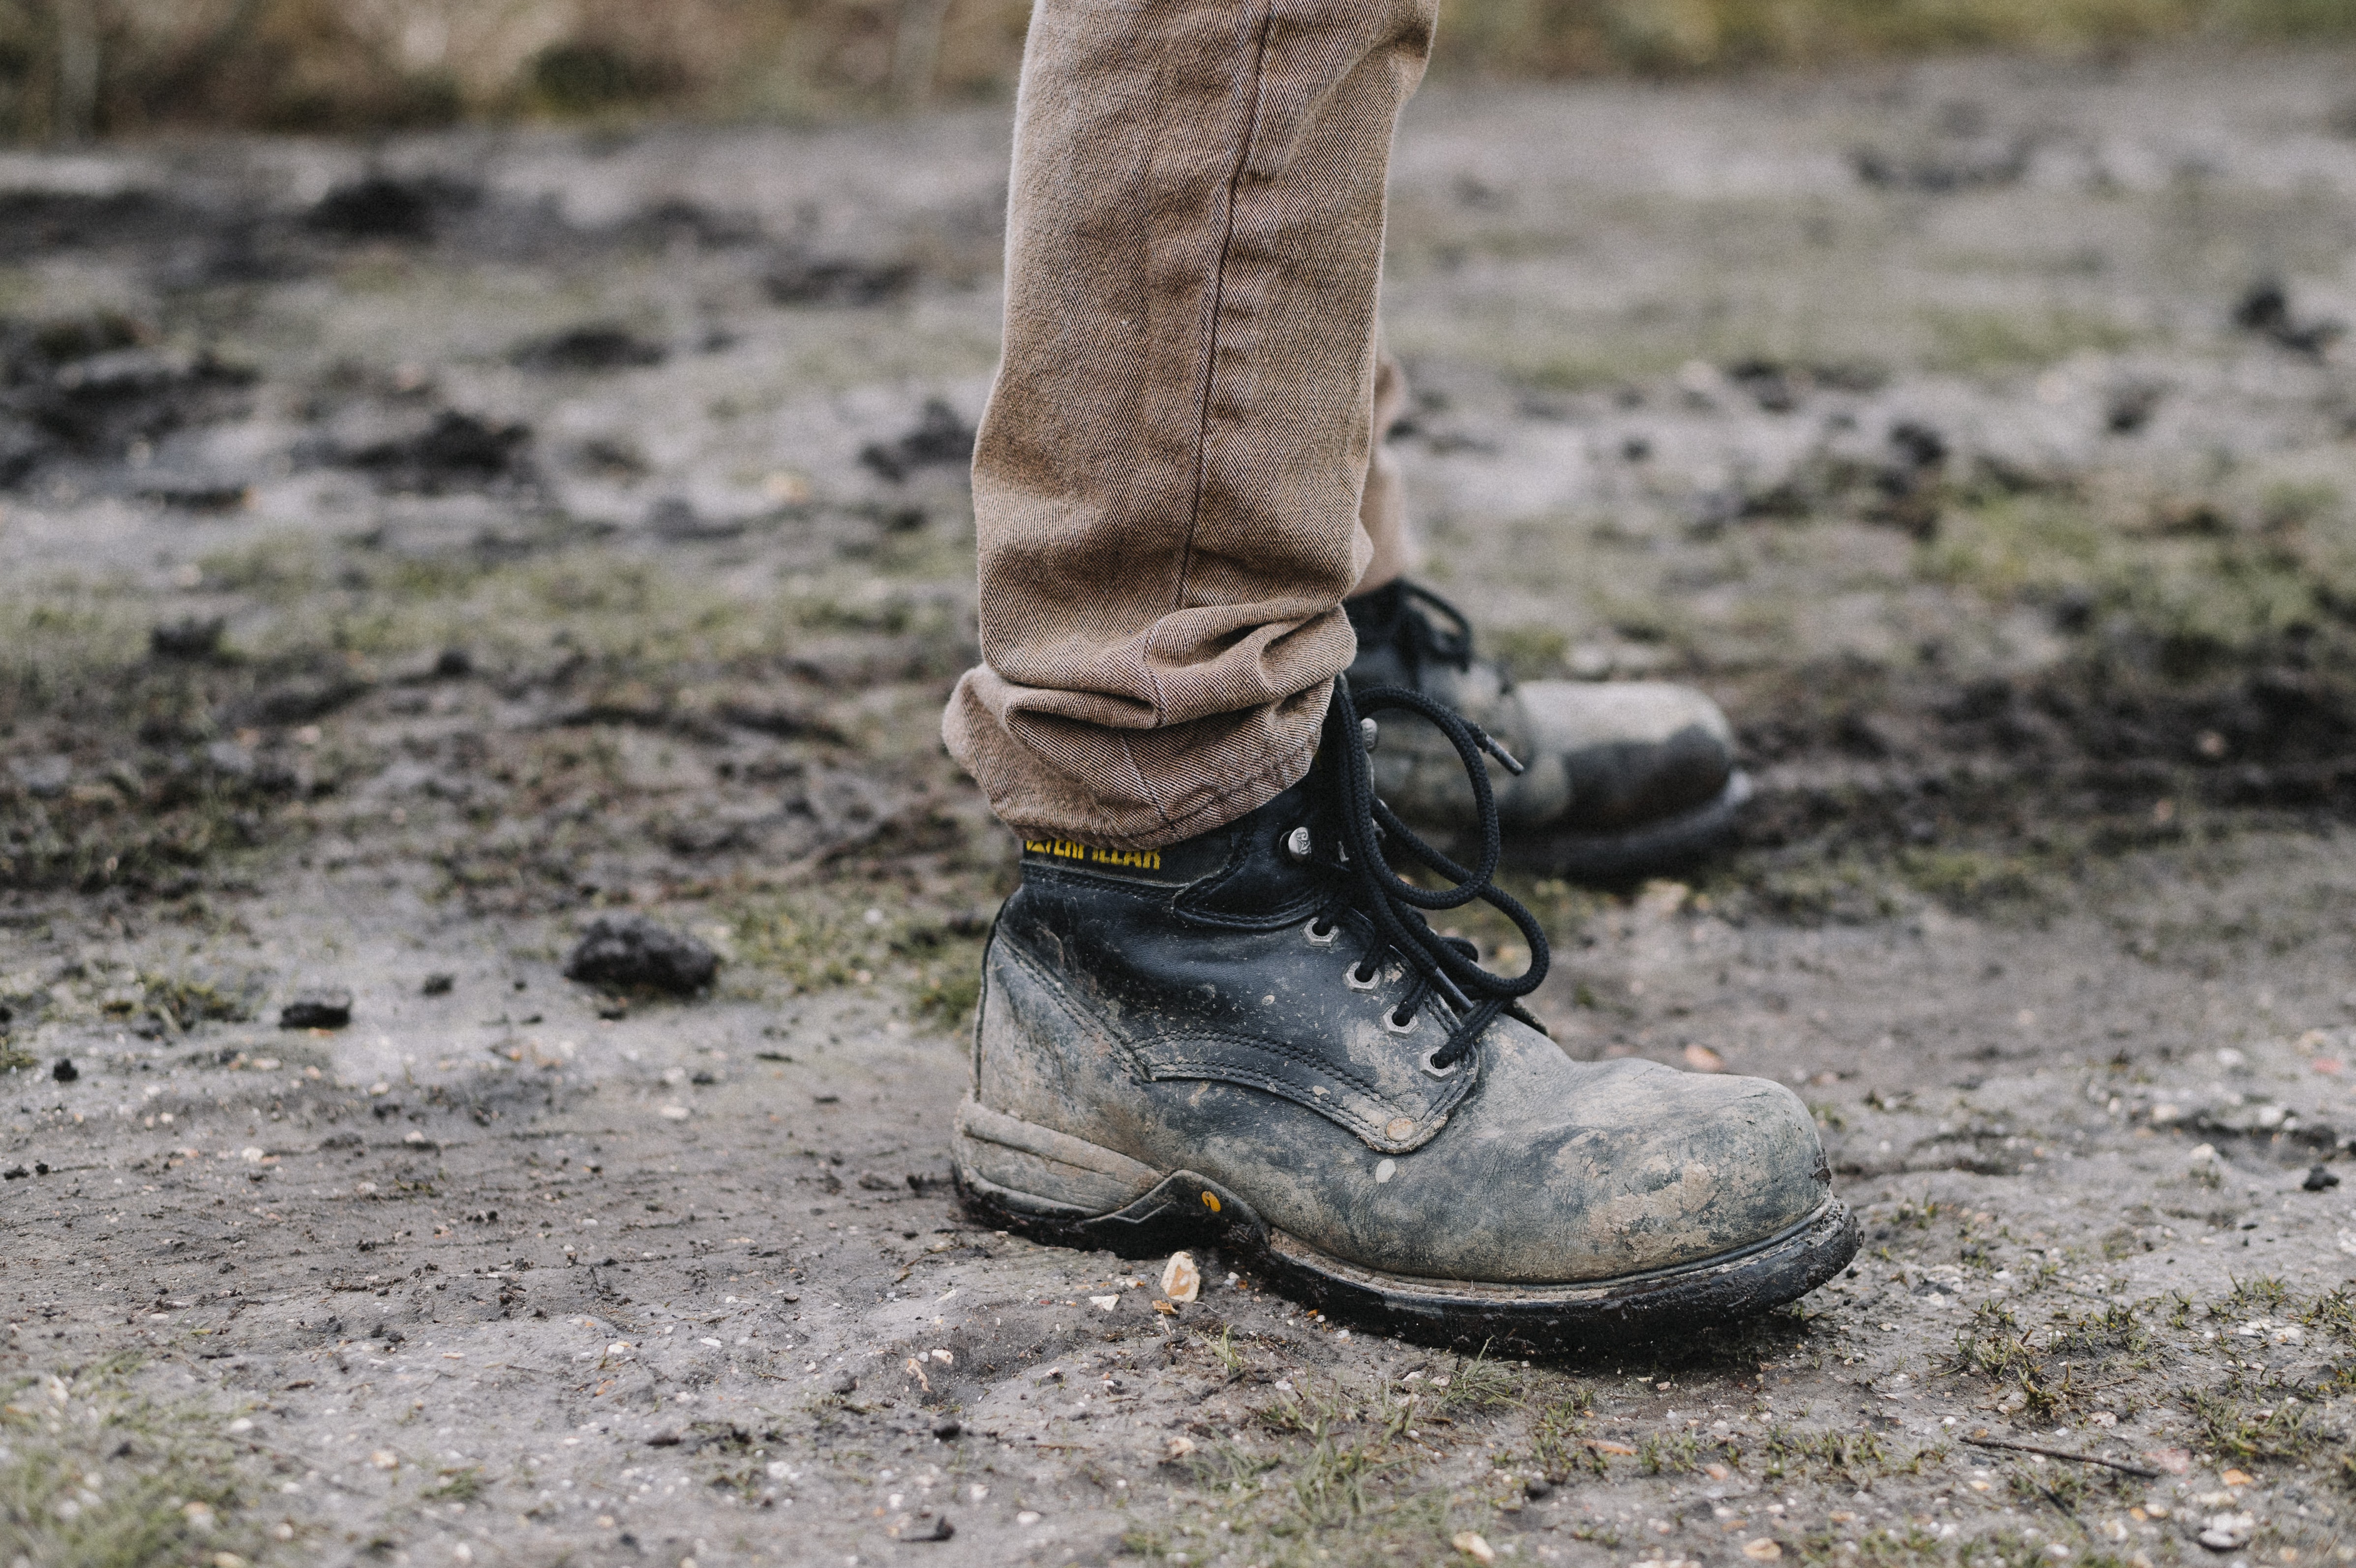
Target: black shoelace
{"type": "Point", "coordinates": [1445, 967]}
{"type": "Point", "coordinates": [1389, 616]}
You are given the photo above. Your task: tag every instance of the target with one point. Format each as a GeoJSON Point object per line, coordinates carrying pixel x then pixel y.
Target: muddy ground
{"type": "Point", "coordinates": [414, 551]}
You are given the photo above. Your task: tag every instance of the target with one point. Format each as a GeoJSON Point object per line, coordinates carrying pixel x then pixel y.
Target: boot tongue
{"type": "Point", "coordinates": [1399, 641]}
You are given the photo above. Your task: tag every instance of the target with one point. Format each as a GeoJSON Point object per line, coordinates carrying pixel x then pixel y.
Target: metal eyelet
{"type": "Point", "coordinates": [1321, 939]}
{"type": "Point", "coordinates": [1392, 1024]}
{"type": "Point", "coordinates": [1448, 1072]}
{"type": "Point", "coordinates": [1351, 975]}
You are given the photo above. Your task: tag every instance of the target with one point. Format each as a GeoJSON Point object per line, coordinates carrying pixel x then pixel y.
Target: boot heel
{"type": "Point", "coordinates": [1050, 1185]}
{"type": "Point", "coordinates": [1039, 1171]}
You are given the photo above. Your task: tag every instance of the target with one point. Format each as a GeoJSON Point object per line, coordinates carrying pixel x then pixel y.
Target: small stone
{"type": "Point", "coordinates": [1179, 1446]}
{"type": "Point", "coordinates": [1537, 1488]}
{"type": "Point", "coordinates": [2228, 1532]}
{"type": "Point", "coordinates": [2319, 1178]}
{"type": "Point", "coordinates": [1182, 1282]}
{"type": "Point", "coordinates": [438, 986]}
{"type": "Point", "coordinates": [327, 1007]}
{"type": "Point", "coordinates": [1471, 1543]}
{"type": "Point", "coordinates": [624, 950]}
{"type": "Point", "coordinates": [843, 1383]}
{"type": "Point", "coordinates": [947, 1427]}
{"type": "Point", "coordinates": [64, 1071]}
{"type": "Point", "coordinates": [385, 1459]}
{"type": "Point", "coordinates": [1761, 1550]}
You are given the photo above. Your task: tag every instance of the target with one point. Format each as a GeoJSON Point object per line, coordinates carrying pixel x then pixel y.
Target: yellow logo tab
{"type": "Point", "coordinates": [1067, 849]}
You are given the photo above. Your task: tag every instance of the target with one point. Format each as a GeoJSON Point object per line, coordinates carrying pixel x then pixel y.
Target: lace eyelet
{"type": "Point", "coordinates": [1448, 1072]}
{"type": "Point", "coordinates": [1321, 939]}
{"type": "Point", "coordinates": [1368, 983]}
{"type": "Point", "coordinates": [1392, 1024]}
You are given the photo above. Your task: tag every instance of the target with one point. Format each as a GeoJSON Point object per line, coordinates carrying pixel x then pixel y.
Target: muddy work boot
{"type": "Point", "coordinates": [1624, 778]}
{"type": "Point", "coordinates": [1255, 1039]}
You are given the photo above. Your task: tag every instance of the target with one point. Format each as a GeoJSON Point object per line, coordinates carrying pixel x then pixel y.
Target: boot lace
{"type": "Point", "coordinates": [1447, 968]}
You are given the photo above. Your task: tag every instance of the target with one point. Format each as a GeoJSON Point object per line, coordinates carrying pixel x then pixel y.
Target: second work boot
{"type": "Point", "coordinates": [1625, 778]}
{"type": "Point", "coordinates": [1255, 1039]}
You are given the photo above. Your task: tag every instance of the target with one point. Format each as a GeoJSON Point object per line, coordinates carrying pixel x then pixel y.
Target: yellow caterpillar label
{"type": "Point", "coordinates": [1067, 849]}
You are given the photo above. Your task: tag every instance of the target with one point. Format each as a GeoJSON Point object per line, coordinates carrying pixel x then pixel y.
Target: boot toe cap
{"type": "Point", "coordinates": [1634, 751]}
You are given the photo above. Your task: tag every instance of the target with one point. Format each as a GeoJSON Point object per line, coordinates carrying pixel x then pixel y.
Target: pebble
{"type": "Point", "coordinates": [64, 1071]}
{"type": "Point", "coordinates": [2228, 1532]}
{"type": "Point", "coordinates": [2319, 1178]}
{"type": "Point", "coordinates": [947, 1427]}
{"type": "Point", "coordinates": [1182, 1282]}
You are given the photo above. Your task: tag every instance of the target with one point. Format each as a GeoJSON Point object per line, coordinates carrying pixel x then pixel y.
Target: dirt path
{"type": "Point", "coordinates": [413, 555]}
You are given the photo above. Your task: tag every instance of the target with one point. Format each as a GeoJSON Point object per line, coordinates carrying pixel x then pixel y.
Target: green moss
{"type": "Point", "coordinates": [1975, 342]}
{"type": "Point", "coordinates": [1968, 879]}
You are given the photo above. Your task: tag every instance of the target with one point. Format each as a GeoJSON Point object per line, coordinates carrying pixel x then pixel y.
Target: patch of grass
{"type": "Point", "coordinates": [824, 937]}
{"type": "Point", "coordinates": [1559, 1445]}
{"type": "Point", "coordinates": [2116, 1332]}
{"type": "Point", "coordinates": [1477, 1387]}
{"type": "Point", "coordinates": [1339, 1485]}
{"type": "Point", "coordinates": [96, 1477]}
{"type": "Point", "coordinates": [183, 1002]}
{"type": "Point", "coordinates": [2233, 1429]}
{"type": "Point", "coordinates": [1991, 1344]}
{"type": "Point", "coordinates": [1849, 1458]}
{"type": "Point", "coordinates": [461, 1484]}
{"type": "Point", "coordinates": [2260, 1297]}
{"type": "Point", "coordinates": [1683, 1453]}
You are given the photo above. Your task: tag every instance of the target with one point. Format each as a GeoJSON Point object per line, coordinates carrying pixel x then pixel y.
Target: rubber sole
{"type": "Point", "coordinates": [1657, 846]}
{"type": "Point", "coordinates": [1185, 1209]}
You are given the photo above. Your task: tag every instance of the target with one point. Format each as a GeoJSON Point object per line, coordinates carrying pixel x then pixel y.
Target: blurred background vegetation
{"type": "Point", "coordinates": [74, 69]}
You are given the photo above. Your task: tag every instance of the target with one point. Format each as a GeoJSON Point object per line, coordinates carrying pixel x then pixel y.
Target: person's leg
{"type": "Point", "coordinates": [1169, 475]}
{"type": "Point", "coordinates": [1625, 777]}
{"type": "Point", "coordinates": [1211, 1011]}
{"type": "Point", "coordinates": [1382, 510]}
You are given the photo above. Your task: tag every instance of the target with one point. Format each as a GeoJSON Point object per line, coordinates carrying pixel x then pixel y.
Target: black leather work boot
{"type": "Point", "coordinates": [1625, 777]}
{"type": "Point", "coordinates": [1254, 1038]}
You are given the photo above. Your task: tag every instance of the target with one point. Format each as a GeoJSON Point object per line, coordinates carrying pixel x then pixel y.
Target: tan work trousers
{"type": "Point", "coordinates": [1179, 475]}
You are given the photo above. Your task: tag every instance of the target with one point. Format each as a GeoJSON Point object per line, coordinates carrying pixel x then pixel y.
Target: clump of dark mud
{"type": "Point", "coordinates": [382, 207]}
{"type": "Point", "coordinates": [594, 346]}
{"type": "Point", "coordinates": [834, 280]}
{"type": "Point", "coordinates": [626, 953]}
{"type": "Point", "coordinates": [323, 1008]}
{"type": "Point", "coordinates": [941, 439]}
{"type": "Point", "coordinates": [456, 450]}
{"type": "Point", "coordinates": [91, 389]}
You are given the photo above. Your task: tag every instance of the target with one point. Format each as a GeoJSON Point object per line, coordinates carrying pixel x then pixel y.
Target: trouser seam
{"type": "Point", "coordinates": [1210, 386]}
{"type": "Point", "coordinates": [1217, 308]}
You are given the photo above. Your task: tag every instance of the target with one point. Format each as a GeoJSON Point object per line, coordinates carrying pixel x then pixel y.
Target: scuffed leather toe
{"type": "Point", "coordinates": [1632, 751]}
